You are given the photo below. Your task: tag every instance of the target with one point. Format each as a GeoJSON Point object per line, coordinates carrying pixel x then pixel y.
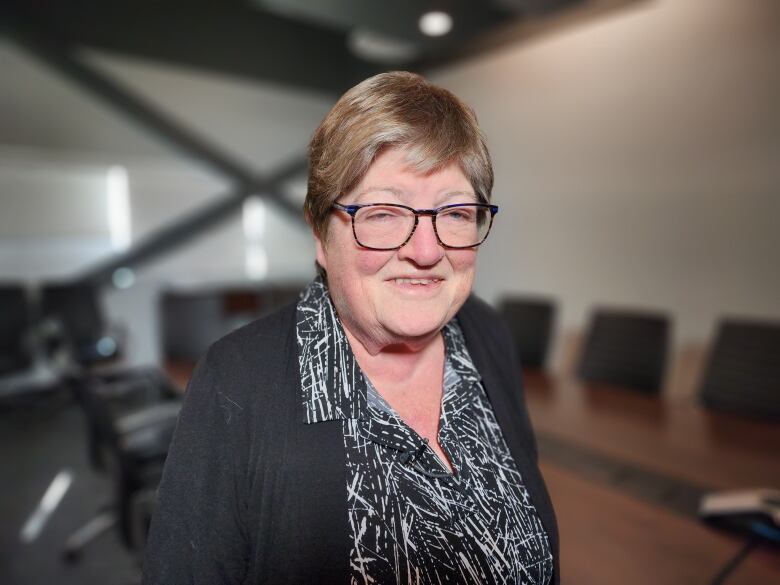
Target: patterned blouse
{"type": "Point", "coordinates": [411, 520]}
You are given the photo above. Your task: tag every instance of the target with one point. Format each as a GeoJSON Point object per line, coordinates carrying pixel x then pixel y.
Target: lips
{"type": "Point", "coordinates": [417, 281]}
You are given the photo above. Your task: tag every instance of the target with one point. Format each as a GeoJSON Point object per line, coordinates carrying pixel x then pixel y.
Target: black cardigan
{"type": "Point", "coordinates": [252, 494]}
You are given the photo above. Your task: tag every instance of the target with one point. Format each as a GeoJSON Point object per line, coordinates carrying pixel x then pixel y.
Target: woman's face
{"type": "Point", "coordinates": [373, 290]}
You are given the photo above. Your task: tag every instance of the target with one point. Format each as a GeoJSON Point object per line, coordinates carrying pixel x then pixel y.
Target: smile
{"type": "Point", "coordinates": [417, 281]}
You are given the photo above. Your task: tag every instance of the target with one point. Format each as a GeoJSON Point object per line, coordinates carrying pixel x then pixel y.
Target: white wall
{"type": "Point", "coordinates": [637, 162]}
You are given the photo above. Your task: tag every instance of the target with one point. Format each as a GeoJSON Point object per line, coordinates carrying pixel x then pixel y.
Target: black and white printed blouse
{"type": "Point", "coordinates": [410, 519]}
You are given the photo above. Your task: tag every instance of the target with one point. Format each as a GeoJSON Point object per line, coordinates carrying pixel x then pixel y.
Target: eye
{"type": "Point", "coordinates": [458, 214]}
{"type": "Point", "coordinates": [381, 214]}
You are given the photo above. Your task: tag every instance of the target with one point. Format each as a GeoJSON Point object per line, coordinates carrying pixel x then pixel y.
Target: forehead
{"type": "Point", "coordinates": [391, 176]}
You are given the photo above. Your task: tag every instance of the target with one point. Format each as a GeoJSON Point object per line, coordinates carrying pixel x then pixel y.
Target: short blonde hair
{"type": "Point", "coordinates": [395, 109]}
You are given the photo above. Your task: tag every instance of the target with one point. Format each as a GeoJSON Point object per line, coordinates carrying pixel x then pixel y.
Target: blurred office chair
{"type": "Point", "coordinates": [75, 311]}
{"type": "Point", "coordinates": [530, 320]}
{"type": "Point", "coordinates": [27, 378]}
{"type": "Point", "coordinates": [191, 320]}
{"type": "Point", "coordinates": [80, 339]}
{"type": "Point", "coordinates": [743, 370]}
{"type": "Point", "coordinates": [134, 444]}
{"type": "Point", "coordinates": [143, 505]}
{"type": "Point", "coordinates": [127, 391]}
{"type": "Point", "coordinates": [130, 413]}
{"type": "Point", "coordinates": [626, 348]}
{"type": "Point", "coordinates": [284, 294]}
{"type": "Point", "coordinates": [15, 320]}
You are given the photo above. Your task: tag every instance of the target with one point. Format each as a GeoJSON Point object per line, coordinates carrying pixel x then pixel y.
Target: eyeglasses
{"type": "Point", "coordinates": [389, 226]}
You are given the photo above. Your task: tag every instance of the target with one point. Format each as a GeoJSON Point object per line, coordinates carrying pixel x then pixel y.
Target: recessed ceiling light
{"type": "Point", "coordinates": [379, 48]}
{"type": "Point", "coordinates": [436, 23]}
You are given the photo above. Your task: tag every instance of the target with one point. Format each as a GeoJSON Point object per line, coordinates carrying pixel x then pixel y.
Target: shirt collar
{"type": "Point", "coordinates": [331, 380]}
{"type": "Point", "coordinates": [459, 361]}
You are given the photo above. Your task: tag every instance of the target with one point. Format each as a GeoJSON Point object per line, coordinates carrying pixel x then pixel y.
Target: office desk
{"type": "Point", "coordinates": [609, 535]}
{"type": "Point", "coordinates": [609, 538]}
{"type": "Point", "coordinates": [674, 437]}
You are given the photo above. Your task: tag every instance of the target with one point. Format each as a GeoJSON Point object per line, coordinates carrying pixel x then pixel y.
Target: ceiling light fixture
{"type": "Point", "coordinates": [435, 23]}
{"type": "Point", "coordinates": [378, 48]}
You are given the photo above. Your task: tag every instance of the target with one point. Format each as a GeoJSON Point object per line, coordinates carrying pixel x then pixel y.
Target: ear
{"type": "Point", "coordinates": [321, 253]}
{"type": "Point", "coordinates": [319, 244]}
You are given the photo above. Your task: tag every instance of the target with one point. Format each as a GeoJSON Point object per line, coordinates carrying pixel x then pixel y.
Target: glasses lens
{"type": "Point", "coordinates": [383, 226]}
{"type": "Point", "coordinates": [463, 226]}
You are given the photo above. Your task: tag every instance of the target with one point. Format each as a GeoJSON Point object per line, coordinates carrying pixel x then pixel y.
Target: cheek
{"type": "Point", "coordinates": [463, 262]}
{"type": "Point", "coordinates": [369, 262]}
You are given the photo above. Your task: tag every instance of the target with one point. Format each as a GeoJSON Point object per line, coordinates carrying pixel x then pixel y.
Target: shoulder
{"type": "Point", "coordinates": [476, 308]}
{"type": "Point", "coordinates": [487, 337]}
{"type": "Point", "coordinates": [247, 340]}
{"type": "Point", "coordinates": [478, 319]}
{"type": "Point", "coordinates": [253, 357]}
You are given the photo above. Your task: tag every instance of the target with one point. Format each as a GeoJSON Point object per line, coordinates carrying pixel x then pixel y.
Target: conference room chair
{"type": "Point", "coordinates": [530, 320]}
{"type": "Point", "coordinates": [27, 378]}
{"type": "Point", "coordinates": [133, 442]}
{"type": "Point", "coordinates": [191, 320]}
{"type": "Point", "coordinates": [282, 294]}
{"type": "Point", "coordinates": [626, 349]}
{"type": "Point", "coordinates": [15, 319]}
{"type": "Point", "coordinates": [73, 313]}
{"type": "Point", "coordinates": [742, 374]}
{"type": "Point", "coordinates": [128, 391]}
{"type": "Point", "coordinates": [130, 413]}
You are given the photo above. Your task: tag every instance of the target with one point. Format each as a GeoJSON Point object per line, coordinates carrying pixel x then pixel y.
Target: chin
{"type": "Point", "coordinates": [415, 324]}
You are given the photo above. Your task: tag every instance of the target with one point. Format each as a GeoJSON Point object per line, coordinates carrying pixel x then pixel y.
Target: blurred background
{"type": "Point", "coordinates": [152, 171]}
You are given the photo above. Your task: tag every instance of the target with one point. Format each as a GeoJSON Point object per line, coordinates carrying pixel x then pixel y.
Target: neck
{"type": "Point", "coordinates": [395, 359]}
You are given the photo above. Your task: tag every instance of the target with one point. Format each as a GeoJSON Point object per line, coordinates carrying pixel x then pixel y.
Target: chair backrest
{"type": "Point", "coordinates": [283, 294]}
{"type": "Point", "coordinates": [77, 309]}
{"type": "Point", "coordinates": [530, 319]}
{"type": "Point", "coordinates": [100, 420]}
{"type": "Point", "coordinates": [627, 349]}
{"type": "Point", "coordinates": [190, 321]}
{"type": "Point", "coordinates": [14, 326]}
{"type": "Point", "coordinates": [743, 370]}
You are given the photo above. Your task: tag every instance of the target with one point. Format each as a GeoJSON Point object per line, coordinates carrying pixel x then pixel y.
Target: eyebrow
{"type": "Point", "coordinates": [403, 196]}
{"type": "Point", "coordinates": [372, 189]}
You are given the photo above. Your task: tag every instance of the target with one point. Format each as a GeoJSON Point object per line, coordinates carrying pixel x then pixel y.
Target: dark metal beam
{"type": "Point", "coordinates": [61, 56]}
{"type": "Point", "coordinates": [178, 233]}
{"type": "Point", "coordinates": [236, 37]}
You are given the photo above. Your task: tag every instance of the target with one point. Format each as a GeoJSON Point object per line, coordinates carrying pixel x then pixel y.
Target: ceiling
{"type": "Point", "coordinates": [324, 45]}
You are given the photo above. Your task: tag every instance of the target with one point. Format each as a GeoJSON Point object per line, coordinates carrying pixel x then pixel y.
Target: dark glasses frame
{"type": "Point", "coordinates": [433, 213]}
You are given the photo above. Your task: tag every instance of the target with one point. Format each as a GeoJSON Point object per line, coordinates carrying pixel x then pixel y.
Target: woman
{"type": "Point", "coordinates": [375, 432]}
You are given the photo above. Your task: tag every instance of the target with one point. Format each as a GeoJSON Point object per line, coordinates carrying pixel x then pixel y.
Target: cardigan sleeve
{"type": "Point", "coordinates": [197, 533]}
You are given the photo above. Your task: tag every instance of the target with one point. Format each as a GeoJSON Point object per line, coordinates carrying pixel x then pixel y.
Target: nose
{"type": "Point", "coordinates": [423, 248]}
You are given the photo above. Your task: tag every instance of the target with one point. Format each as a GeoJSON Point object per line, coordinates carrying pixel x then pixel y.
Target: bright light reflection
{"type": "Point", "coordinates": [435, 23]}
{"type": "Point", "coordinates": [256, 262]}
{"type": "Point", "coordinates": [51, 499]}
{"type": "Point", "coordinates": [123, 277]}
{"type": "Point", "coordinates": [254, 216]}
{"type": "Point", "coordinates": [118, 206]}
{"type": "Point", "coordinates": [255, 256]}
